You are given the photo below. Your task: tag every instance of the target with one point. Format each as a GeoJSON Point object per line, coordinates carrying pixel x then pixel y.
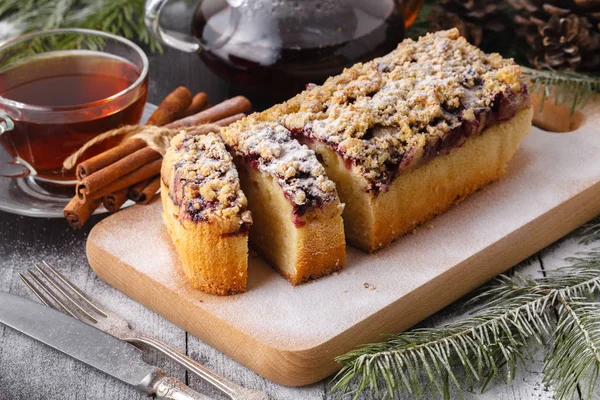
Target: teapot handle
{"type": "Point", "coordinates": [411, 9]}
{"type": "Point", "coordinates": [177, 40]}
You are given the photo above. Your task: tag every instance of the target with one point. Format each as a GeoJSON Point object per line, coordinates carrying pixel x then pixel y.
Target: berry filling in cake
{"type": "Point", "coordinates": [205, 213]}
{"type": "Point", "coordinates": [398, 111]}
{"type": "Point", "coordinates": [206, 184]}
{"type": "Point", "coordinates": [407, 135]}
{"type": "Point", "coordinates": [296, 209]}
{"type": "Point", "coordinates": [272, 149]}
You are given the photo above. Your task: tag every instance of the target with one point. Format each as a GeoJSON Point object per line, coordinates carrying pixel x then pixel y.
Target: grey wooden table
{"type": "Point", "coordinates": [29, 370]}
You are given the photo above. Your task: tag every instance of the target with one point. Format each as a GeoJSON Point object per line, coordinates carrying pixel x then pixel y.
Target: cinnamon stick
{"type": "Point", "coordinates": [147, 171]}
{"type": "Point", "coordinates": [149, 191]}
{"type": "Point", "coordinates": [220, 111]}
{"type": "Point", "coordinates": [172, 107]}
{"type": "Point", "coordinates": [204, 129]}
{"type": "Point", "coordinates": [135, 190]}
{"type": "Point", "coordinates": [114, 201]}
{"type": "Point", "coordinates": [77, 213]}
{"type": "Point", "coordinates": [169, 110]}
{"type": "Point", "coordinates": [199, 102]}
{"type": "Point", "coordinates": [106, 158]}
{"type": "Point", "coordinates": [99, 179]}
{"type": "Point", "coordinates": [229, 120]}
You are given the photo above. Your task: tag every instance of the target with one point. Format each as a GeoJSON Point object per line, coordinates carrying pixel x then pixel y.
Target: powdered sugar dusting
{"type": "Point", "coordinates": [422, 92]}
{"type": "Point", "coordinates": [548, 168]}
{"type": "Point", "coordinates": [204, 182]}
{"type": "Point", "coordinates": [275, 152]}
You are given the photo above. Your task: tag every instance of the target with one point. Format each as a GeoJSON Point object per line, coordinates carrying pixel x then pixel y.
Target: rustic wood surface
{"type": "Point", "coordinates": [291, 336]}
{"type": "Point", "coordinates": [29, 370]}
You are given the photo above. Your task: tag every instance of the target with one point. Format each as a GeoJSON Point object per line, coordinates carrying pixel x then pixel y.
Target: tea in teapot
{"type": "Point", "coordinates": [275, 47]}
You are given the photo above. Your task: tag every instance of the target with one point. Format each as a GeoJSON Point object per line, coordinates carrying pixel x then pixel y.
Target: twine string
{"type": "Point", "coordinates": [155, 137]}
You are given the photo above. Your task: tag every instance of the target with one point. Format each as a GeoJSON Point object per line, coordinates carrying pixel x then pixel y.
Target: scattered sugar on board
{"type": "Point", "coordinates": [287, 317]}
{"type": "Point", "coordinates": [141, 233]}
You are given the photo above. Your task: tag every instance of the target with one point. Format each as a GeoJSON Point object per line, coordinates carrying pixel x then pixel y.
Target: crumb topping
{"type": "Point", "coordinates": [271, 148]}
{"type": "Point", "coordinates": [206, 181]}
{"type": "Point", "coordinates": [391, 112]}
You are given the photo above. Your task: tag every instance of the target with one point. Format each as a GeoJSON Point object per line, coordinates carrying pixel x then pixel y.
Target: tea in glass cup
{"type": "Point", "coordinates": [61, 88]}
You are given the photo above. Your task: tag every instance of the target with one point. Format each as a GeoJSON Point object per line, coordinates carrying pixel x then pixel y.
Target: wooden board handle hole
{"type": "Point", "coordinates": [556, 118]}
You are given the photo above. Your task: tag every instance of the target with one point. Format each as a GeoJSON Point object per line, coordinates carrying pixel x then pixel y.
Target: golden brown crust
{"type": "Point", "coordinates": [420, 194]}
{"type": "Point", "coordinates": [213, 263]}
{"type": "Point", "coordinates": [204, 211]}
{"type": "Point", "coordinates": [321, 250]}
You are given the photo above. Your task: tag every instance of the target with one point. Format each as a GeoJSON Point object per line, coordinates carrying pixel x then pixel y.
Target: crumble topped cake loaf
{"type": "Point", "coordinates": [407, 135]}
{"type": "Point", "coordinates": [205, 212]}
{"type": "Point", "coordinates": [298, 226]}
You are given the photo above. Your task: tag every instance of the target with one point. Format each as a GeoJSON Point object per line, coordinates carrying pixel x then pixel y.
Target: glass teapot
{"type": "Point", "coordinates": [274, 48]}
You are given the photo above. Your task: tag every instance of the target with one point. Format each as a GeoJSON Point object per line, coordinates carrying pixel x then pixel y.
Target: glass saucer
{"type": "Point", "coordinates": [25, 196]}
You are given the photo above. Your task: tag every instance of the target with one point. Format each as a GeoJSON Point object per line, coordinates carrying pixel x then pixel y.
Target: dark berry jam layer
{"type": "Point", "coordinates": [504, 106]}
{"type": "Point", "coordinates": [205, 184]}
{"type": "Point", "coordinates": [271, 148]}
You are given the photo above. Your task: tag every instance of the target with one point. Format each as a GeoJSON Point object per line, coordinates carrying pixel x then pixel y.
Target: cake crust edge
{"type": "Point", "coordinates": [211, 262]}
{"type": "Point", "coordinates": [480, 161]}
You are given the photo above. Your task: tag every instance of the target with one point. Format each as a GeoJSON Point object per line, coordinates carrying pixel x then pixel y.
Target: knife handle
{"type": "Point", "coordinates": [168, 388]}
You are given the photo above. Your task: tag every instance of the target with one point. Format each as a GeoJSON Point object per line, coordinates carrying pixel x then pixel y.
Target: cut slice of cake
{"type": "Point", "coordinates": [204, 210]}
{"type": "Point", "coordinates": [407, 135]}
{"type": "Point", "coordinates": [297, 226]}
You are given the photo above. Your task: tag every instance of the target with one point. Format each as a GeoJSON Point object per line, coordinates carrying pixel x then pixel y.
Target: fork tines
{"type": "Point", "coordinates": [55, 291]}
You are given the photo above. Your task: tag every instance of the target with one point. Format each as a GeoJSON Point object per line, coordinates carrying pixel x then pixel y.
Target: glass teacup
{"type": "Point", "coordinates": [59, 89]}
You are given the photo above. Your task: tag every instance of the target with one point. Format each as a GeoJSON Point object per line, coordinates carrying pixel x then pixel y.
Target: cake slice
{"type": "Point", "coordinates": [407, 135]}
{"type": "Point", "coordinates": [297, 225]}
{"type": "Point", "coordinates": [204, 210]}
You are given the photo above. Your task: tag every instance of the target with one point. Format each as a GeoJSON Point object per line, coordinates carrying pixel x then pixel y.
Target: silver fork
{"type": "Point", "coordinates": [60, 294]}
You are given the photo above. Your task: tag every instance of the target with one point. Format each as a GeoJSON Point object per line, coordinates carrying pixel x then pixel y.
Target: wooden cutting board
{"type": "Point", "coordinates": [291, 335]}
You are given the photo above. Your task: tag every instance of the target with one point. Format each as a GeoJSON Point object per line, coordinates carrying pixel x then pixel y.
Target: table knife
{"type": "Point", "coordinates": [91, 346]}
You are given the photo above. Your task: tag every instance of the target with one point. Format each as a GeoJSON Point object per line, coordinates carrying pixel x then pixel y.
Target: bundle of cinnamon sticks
{"type": "Point", "coordinates": [131, 170]}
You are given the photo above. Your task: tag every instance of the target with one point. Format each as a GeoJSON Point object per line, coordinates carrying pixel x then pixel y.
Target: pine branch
{"type": "Point", "coordinates": [574, 358]}
{"type": "Point", "coordinates": [60, 12]}
{"type": "Point", "coordinates": [590, 231]}
{"type": "Point", "coordinates": [513, 311]}
{"type": "Point", "coordinates": [478, 346]}
{"type": "Point", "coordinates": [572, 88]}
{"type": "Point", "coordinates": [121, 17]}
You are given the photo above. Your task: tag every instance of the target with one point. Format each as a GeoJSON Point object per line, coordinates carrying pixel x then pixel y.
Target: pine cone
{"type": "Point", "coordinates": [562, 34]}
{"type": "Point", "coordinates": [477, 20]}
